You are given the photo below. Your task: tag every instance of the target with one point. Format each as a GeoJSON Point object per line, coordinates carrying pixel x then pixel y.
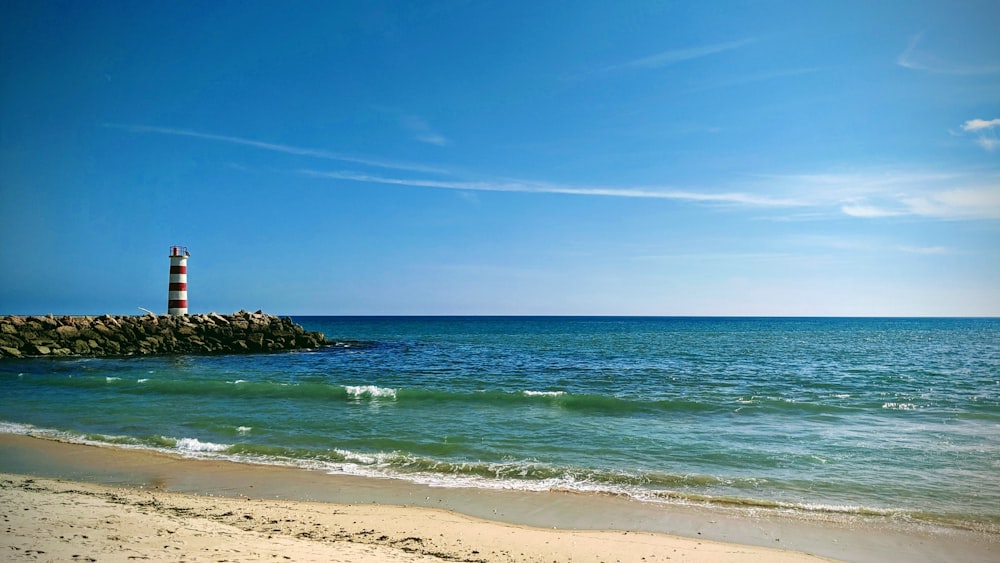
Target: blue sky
{"type": "Point", "coordinates": [591, 158]}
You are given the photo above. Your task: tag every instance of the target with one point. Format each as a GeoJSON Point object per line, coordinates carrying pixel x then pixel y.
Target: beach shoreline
{"type": "Point", "coordinates": [36, 470]}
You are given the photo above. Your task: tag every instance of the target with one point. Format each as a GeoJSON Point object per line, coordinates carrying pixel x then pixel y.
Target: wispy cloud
{"type": "Point", "coordinates": [942, 203]}
{"type": "Point", "coordinates": [986, 137]}
{"type": "Point", "coordinates": [422, 131]}
{"type": "Point", "coordinates": [915, 59]}
{"type": "Point", "coordinates": [868, 196]}
{"type": "Point", "coordinates": [675, 56]}
{"type": "Point", "coordinates": [275, 147]}
{"type": "Point", "coordinates": [721, 256]}
{"type": "Point", "coordinates": [861, 244]}
{"type": "Point", "coordinates": [735, 198]}
{"type": "Point", "coordinates": [883, 194]}
{"type": "Point", "coordinates": [758, 77]}
{"type": "Point", "coordinates": [871, 194]}
{"type": "Point", "coordinates": [988, 143]}
{"type": "Point", "coordinates": [869, 211]}
{"type": "Point", "coordinates": [415, 125]}
{"type": "Point", "coordinates": [925, 249]}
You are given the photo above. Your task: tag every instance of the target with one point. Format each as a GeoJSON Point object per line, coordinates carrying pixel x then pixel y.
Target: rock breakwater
{"type": "Point", "coordinates": [149, 335]}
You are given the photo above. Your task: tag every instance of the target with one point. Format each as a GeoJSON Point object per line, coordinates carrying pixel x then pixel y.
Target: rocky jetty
{"type": "Point", "coordinates": [149, 335]}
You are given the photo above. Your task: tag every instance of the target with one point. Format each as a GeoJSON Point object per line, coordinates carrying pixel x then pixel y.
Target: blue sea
{"type": "Point", "coordinates": [893, 418]}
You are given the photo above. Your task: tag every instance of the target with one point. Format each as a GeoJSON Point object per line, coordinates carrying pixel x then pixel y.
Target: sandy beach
{"type": "Point", "coordinates": [112, 504]}
{"type": "Point", "coordinates": [49, 520]}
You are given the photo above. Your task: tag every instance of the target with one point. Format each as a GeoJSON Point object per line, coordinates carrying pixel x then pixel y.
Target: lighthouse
{"type": "Point", "coordinates": [177, 296]}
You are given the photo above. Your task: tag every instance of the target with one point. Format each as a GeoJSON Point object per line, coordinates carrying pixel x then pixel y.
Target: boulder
{"type": "Point", "coordinates": [9, 351]}
{"type": "Point", "coordinates": [218, 319]}
{"type": "Point", "coordinates": [81, 348]}
{"type": "Point", "coordinates": [67, 331]}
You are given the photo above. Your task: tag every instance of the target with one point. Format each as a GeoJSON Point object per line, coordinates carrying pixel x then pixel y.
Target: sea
{"type": "Point", "coordinates": [895, 418]}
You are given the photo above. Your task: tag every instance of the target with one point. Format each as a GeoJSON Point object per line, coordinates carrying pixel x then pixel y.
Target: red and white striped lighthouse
{"type": "Point", "coordinates": [177, 296]}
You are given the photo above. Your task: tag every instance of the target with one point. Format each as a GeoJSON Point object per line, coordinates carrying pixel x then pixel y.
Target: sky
{"type": "Point", "coordinates": [778, 158]}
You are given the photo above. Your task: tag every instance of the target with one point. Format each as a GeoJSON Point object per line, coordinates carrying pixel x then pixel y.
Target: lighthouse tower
{"type": "Point", "coordinates": [177, 296]}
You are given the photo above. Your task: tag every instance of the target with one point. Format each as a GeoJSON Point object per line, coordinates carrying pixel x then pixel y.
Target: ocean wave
{"type": "Point", "coordinates": [544, 393]}
{"type": "Point", "coordinates": [196, 445]}
{"type": "Point", "coordinates": [16, 428]}
{"type": "Point", "coordinates": [900, 406]}
{"type": "Point", "coordinates": [323, 391]}
{"type": "Point", "coordinates": [318, 389]}
{"type": "Point", "coordinates": [371, 391]}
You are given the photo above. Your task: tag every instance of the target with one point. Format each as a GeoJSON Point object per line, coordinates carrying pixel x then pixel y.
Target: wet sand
{"type": "Point", "coordinates": [107, 503]}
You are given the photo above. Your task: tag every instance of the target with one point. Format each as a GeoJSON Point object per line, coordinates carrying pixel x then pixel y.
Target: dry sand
{"type": "Point", "coordinates": [52, 520]}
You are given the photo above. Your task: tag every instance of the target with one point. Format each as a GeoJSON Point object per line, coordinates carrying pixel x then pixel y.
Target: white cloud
{"type": "Point", "coordinates": [957, 203]}
{"type": "Point", "coordinates": [988, 143]}
{"type": "Point", "coordinates": [275, 147]}
{"type": "Point", "coordinates": [916, 59]}
{"type": "Point", "coordinates": [433, 139]}
{"type": "Point", "coordinates": [882, 194]}
{"type": "Point", "coordinates": [980, 124]}
{"type": "Point", "coordinates": [674, 56]}
{"type": "Point", "coordinates": [855, 245]}
{"type": "Point", "coordinates": [985, 136]}
{"type": "Point", "coordinates": [871, 194]}
{"type": "Point", "coordinates": [875, 195]}
{"type": "Point", "coordinates": [869, 211]}
{"type": "Point", "coordinates": [422, 131]}
{"type": "Point", "coordinates": [971, 198]}
{"type": "Point", "coordinates": [545, 187]}
{"type": "Point", "coordinates": [925, 249]}
{"type": "Point", "coordinates": [757, 77]}
{"type": "Point", "coordinates": [722, 256]}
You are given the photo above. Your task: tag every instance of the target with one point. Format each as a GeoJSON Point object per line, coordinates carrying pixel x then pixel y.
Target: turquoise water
{"type": "Point", "coordinates": [894, 417]}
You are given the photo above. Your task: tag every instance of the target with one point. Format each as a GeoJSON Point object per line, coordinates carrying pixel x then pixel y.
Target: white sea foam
{"type": "Point", "coordinates": [358, 457]}
{"type": "Point", "coordinates": [143, 380]}
{"type": "Point", "coordinates": [31, 430]}
{"type": "Point", "coordinates": [196, 445]}
{"type": "Point", "coordinates": [900, 406]}
{"type": "Point", "coordinates": [237, 382]}
{"type": "Point", "coordinates": [380, 466]}
{"type": "Point", "coordinates": [16, 428]}
{"type": "Point", "coordinates": [110, 379]}
{"type": "Point", "coordinates": [244, 430]}
{"type": "Point", "coordinates": [544, 393]}
{"type": "Point", "coordinates": [370, 391]}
